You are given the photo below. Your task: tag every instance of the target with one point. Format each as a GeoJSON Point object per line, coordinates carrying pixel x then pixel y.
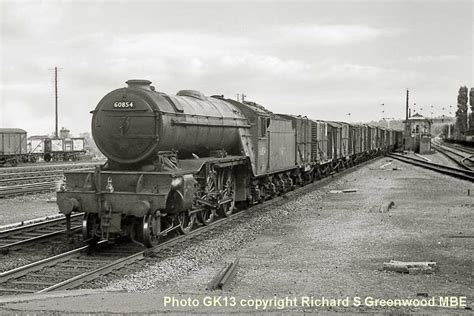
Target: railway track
{"type": "Point", "coordinates": [71, 269]}
{"type": "Point", "coordinates": [13, 176]}
{"type": "Point", "coordinates": [26, 180]}
{"type": "Point", "coordinates": [45, 167]}
{"type": "Point", "coordinates": [30, 179]}
{"type": "Point", "coordinates": [21, 189]}
{"type": "Point", "coordinates": [462, 158]}
{"type": "Point", "coordinates": [454, 172]}
{"type": "Point", "coordinates": [467, 150]}
{"type": "Point", "coordinates": [20, 237]}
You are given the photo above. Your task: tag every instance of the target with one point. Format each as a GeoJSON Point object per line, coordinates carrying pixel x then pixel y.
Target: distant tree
{"type": "Point", "coordinates": [444, 131]}
{"type": "Point", "coordinates": [90, 145]}
{"type": "Point", "coordinates": [461, 113]}
{"type": "Point", "coordinates": [471, 116]}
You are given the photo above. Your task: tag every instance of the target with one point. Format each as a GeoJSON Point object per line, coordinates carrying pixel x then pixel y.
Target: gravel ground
{"type": "Point", "coordinates": [321, 244]}
{"type": "Point", "coordinates": [35, 252]}
{"type": "Point", "coordinates": [29, 208]}
{"type": "Point", "coordinates": [180, 262]}
{"type": "Point", "coordinates": [177, 263]}
{"type": "Point", "coordinates": [190, 259]}
{"type": "Point", "coordinates": [333, 244]}
{"type": "Point", "coordinates": [9, 262]}
{"type": "Point", "coordinates": [23, 208]}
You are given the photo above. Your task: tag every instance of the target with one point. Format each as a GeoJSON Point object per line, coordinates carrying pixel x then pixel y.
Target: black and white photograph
{"type": "Point", "coordinates": [236, 157]}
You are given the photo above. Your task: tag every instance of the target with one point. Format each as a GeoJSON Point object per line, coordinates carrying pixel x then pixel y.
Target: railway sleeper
{"type": "Point", "coordinates": [36, 283]}
{"type": "Point", "coordinates": [33, 234]}
{"type": "Point", "coordinates": [16, 290]}
{"type": "Point", "coordinates": [91, 260]}
{"type": "Point", "coordinates": [64, 271]}
{"type": "Point", "coordinates": [44, 276]}
{"type": "Point", "coordinates": [76, 266]}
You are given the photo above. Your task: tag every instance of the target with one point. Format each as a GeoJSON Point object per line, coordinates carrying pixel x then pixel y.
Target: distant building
{"type": "Point", "coordinates": [64, 133]}
{"type": "Point", "coordinates": [418, 134]}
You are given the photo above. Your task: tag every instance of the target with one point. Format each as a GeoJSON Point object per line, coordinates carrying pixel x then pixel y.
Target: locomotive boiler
{"type": "Point", "coordinates": [133, 125]}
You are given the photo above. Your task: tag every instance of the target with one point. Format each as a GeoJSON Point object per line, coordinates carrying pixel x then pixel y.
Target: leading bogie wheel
{"type": "Point", "coordinates": [151, 229]}
{"type": "Point", "coordinates": [90, 223]}
{"type": "Point", "coordinates": [228, 186]}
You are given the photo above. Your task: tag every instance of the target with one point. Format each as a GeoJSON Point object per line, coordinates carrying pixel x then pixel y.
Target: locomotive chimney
{"type": "Point", "coordinates": [139, 84]}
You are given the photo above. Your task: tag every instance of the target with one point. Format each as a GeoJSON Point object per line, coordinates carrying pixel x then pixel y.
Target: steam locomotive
{"type": "Point", "coordinates": [175, 160]}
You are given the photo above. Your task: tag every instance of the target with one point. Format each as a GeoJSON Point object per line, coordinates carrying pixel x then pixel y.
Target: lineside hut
{"type": "Point", "coordinates": [419, 140]}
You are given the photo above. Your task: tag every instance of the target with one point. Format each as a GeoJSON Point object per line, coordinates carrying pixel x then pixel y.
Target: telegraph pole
{"type": "Point", "coordinates": [406, 114]}
{"type": "Point", "coordinates": [407, 141]}
{"type": "Point", "coordinates": [56, 98]}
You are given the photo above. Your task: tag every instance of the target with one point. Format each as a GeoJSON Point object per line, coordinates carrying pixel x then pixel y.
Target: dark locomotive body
{"type": "Point", "coordinates": [174, 160]}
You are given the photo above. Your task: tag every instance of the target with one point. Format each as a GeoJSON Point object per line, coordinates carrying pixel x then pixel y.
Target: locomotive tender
{"type": "Point", "coordinates": [177, 159]}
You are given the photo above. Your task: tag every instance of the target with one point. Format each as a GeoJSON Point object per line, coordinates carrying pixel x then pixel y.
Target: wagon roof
{"type": "Point", "coordinates": [38, 137]}
{"type": "Point", "coordinates": [334, 124]}
{"type": "Point", "coordinates": [342, 123]}
{"type": "Point", "coordinates": [291, 116]}
{"type": "Point", "coordinates": [257, 107]}
{"type": "Point", "coordinates": [12, 130]}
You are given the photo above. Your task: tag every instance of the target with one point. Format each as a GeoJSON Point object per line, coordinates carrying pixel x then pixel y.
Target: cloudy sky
{"type": "Point", "coordinates": [321, 59]}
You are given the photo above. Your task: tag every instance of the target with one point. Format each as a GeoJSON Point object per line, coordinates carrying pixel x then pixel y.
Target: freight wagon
{"type": "Point", "coordinates": [13, 146]}
{"type": "Point", "coordinates": [56, 149]}
{"type": "Point", "coordinates": [16, 148]}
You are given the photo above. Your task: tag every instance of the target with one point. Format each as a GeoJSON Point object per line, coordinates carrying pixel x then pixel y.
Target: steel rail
{"type": "Point", "coordinates": [458, 147]}
{"type": "Point", "coordinates": [93, 274]}
{"type": "Point", "coordinates": [27, 188]}
{"type": "Point", "coordinates": [52, 172]}
{"type": "Point", "coordinates": [40, 224]}
{"type": "Point", "coordinates": [45, 167]}
{"type": "Point", "coordinates": [38, 265]}
{"type": "Point", "coordinates": [17, 232]}
{"type": "Point", "coordinates": [30, 178]}
{"type": "Point", "coordinates": [456, 157]}
{"type": "Point", "coordinates": [224, 277]}
{"type": "Point", "coordinates": [15, 245]}
{"type": "Point", "coordinates": [454, 172]}
{"type": "Point", "coordinates": [26, 174]}
{"type": "Point", "coordinates": [446, 148]}
{"type": "Point", "coordinates": [117, 264]}
{"type": "Point", "coordinates": [467, 150]}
